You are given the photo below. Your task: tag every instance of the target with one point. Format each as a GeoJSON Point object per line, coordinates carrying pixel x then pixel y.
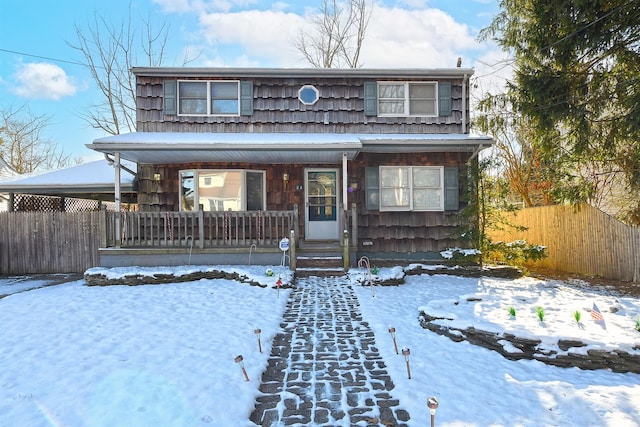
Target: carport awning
{"type": "Point", "coordinates": [87, 180]}
{"type": "Point", "coordinates": [272, 148]}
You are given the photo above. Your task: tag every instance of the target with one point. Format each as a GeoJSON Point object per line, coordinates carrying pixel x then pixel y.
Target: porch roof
{"type": "Point", "coordinates": [275, 148]}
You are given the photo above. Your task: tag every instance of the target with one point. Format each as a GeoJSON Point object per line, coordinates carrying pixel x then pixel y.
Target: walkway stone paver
{"type": "Point", "coordinates": [325, 368]}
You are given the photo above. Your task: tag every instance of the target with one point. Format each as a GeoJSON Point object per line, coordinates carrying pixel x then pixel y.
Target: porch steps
{"type": "Point", "coordinates": [319, 266]}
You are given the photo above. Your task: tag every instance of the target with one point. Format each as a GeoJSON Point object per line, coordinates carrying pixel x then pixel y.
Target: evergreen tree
{"type": "Point", "coordinates": [577, 82]}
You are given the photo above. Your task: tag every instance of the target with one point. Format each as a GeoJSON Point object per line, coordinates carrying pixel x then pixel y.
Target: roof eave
{"type": "Point", "coordinates": [373, 73]}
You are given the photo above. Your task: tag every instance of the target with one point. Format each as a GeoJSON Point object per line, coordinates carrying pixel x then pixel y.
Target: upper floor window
{"type": "Point", "coordinates": [209, 98]}
{"type": "Point", "coordinates": [407, 99]}
{"type": "Point", "coordinates": [222, 190]}
{"type": "Point", "coordinates": [308, 95]}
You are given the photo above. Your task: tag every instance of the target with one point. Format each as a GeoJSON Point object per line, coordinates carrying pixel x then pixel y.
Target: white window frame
{"type": "Point", "coordinates": [208, 99]}
{"type": "Point", "coordinates": [406, 100]}
{"type": "Point", "coordinates": [409, 187]}
{"type": "Point", "coordinates": [243, 186]}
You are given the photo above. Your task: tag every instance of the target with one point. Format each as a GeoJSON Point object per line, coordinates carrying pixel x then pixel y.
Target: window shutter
{"type": "Point", "coordinates": [246, 98]}
{"type": "Point", "coordinates": [451, 191]}
{"type": "Point", "coordinates": [370, 98]}
{"type": "Point", "coordinates": [372, 188]}
{"type": "Point", "coordinates": [444, 98]}
{"type": "Point", "coordinates": [170, 98]}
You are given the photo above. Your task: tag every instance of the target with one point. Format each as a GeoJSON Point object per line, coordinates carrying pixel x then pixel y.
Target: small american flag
{"type": "Point", "coordinates": [595, 313]}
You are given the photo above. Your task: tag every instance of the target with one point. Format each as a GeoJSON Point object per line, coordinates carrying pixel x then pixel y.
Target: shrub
{"type": "Point", "coordinates": [513, 253]}
{"type": "Point", "coordinates": [462, 256]}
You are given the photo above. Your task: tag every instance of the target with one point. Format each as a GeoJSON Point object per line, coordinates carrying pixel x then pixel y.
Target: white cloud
{"type": "Point", "coordinates": [43, 81]}
{"type": "Point", "coordinates": [396, 38]}
{"type": "Point", "coordinates": [183, 6]}
{"type": "Point", "coordinates": [266, 36]}
{"type": "Point", "coordinates": [426, 38]}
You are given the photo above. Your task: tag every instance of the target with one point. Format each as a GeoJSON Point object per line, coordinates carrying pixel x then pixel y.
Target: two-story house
{"type": "Point", "coordinates": [232, 160]}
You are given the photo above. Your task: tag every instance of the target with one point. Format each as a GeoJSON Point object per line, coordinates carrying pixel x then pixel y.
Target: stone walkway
{"type": "Point", "coordinates": [324, 367]}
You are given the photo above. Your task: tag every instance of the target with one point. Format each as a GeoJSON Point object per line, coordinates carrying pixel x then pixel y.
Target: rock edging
{"type": "Point", "coordinates": [99, 279]}
{"type": "Point", "coordinates": [525, 348]}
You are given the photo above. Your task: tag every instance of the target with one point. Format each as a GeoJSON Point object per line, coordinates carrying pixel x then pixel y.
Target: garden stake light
{"type": "Point", "coordinates": [405, 353]}
{"type": "Point", "coordinates": [239, 361]}
{"type": "Point", "coordinates": [392, 331]}
{"type": "Point", "coordinates": [278, 284]}
{"type": "Point", "coordinates": [257, 332]}
{"type": "Point", "coordinates": [432, 403]}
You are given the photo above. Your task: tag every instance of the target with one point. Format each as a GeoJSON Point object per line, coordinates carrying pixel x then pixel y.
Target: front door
{"type": "Point", "coordinates": [321, 204]}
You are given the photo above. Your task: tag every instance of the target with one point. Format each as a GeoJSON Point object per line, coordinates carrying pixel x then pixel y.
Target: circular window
{"type": "Point", "coordinates": [308, 95]}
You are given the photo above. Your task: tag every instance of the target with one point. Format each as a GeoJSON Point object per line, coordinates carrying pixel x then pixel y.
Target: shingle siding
{"type": "Point", "coordinates": [276, 108]}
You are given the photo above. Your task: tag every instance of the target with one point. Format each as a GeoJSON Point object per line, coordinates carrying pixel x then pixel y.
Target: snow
{"type": "Point", "coordinates": [98, 172]}
{"type": "Point", "coordinates": [349, 140]}
{"type": "Point", "coordinates": [164, 355]}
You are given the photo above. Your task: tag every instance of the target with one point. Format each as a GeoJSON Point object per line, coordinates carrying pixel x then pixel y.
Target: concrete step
{"type": "Point", "coordinates": [320, 266]}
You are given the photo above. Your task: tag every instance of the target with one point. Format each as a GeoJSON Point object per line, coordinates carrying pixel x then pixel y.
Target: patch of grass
{"type": "Point", "coordinates": [512, 311]}
{"type": "Point", "coordinates": [540, 313]}
{"type": "Point", "coordinates": [638, 324]}
{"type": "Point", "coordinates": [577, 315]}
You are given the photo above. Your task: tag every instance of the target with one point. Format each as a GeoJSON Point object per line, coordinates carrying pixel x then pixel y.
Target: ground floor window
{"type": "Point", "coordinates": [222, 190]}
{"type": "Point", "coordinates": [411, 188]}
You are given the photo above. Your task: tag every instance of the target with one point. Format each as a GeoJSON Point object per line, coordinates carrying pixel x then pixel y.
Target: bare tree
{"type": "Point", "coordinates": [336, 34]}
{"type": "Point", "coordinates": [110, 50]}
{"type": "Point", "coordinates": [23, 145]}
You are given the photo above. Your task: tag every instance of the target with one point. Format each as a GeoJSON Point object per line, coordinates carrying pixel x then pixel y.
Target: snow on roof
{"type": "Point", "coordinates": [92, 174]}
{"type": "Point", "coordinates": [247, 140]}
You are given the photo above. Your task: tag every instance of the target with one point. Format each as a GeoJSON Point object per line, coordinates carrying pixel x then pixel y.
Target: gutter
{"type": "Point", "coordinates": [372, 73]}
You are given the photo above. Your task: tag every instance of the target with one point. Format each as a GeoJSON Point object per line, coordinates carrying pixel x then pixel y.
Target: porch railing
{"type": "Point", "coordinates": [200, 229]}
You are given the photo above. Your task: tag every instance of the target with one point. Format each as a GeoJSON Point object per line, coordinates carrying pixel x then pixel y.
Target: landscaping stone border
{"type": "Point", "coordinates": [616, 360]}
{"type": "Point", "coordinates": [98, 279]}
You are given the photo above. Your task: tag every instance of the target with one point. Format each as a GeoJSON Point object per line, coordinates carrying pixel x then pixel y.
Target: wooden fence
{"type": "Point", "coordinates": [68, 242]}
{"type": "Point", "coordinates": [579, 239]}
{"type": "Point", "coordinates": [49, 242]}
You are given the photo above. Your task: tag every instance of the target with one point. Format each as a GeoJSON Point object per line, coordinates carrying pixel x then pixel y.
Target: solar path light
{"type": "Point", "coordinates": [392, 331]}
{"type": "Point", "coordinates": [432, 403]}
{"type": "Point", "coordinates": [405, 353]}
{"type": "Point", "coordinates": [257, 332]}
{"type": "Point", "coordinates": [239, 361]}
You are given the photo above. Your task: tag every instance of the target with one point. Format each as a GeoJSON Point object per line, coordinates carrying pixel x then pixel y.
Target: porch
{"type": "Point", "coordinates": [210, 237]}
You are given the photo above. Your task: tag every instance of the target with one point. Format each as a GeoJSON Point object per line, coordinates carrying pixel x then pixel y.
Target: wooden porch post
{"type": "Point", "coordinates": [345, 250]}
{"type": "Point", "coordinates": [354, 225]}
{"type": "Point", "coordinates": [292, 250]}
{"type": "Point", "coordinates": [117, 199]}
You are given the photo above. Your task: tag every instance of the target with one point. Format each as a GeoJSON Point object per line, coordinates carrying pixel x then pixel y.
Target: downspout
{"type": "Point", "coordinates": [464, 104]}
{"type": "Point", "coordinates": [112, 162]}
{"type": "Point", "coordinates": [475, 153]}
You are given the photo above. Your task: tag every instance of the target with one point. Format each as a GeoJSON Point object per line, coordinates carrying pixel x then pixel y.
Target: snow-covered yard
{"type": "Point", "coordinates": [163, 355]}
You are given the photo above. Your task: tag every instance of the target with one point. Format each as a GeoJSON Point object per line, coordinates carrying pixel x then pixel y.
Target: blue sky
{"type": "Point", "coordinates": [39, 70]}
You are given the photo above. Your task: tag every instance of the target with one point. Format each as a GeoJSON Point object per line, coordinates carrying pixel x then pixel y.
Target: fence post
{"type": "Point", "coordinates": [102, 228]}
{"type": "Point", "coordinates": [201, 228]}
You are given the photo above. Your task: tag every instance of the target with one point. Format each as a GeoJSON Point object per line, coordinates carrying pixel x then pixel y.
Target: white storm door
{"type": "Point", "coordinates": [321, 204]}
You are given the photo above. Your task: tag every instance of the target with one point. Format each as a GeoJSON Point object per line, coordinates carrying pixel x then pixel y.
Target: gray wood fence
{"type": "Point", "coordinates": [49, 242]}
{"type": "Point", "coordinates": [580, 239]}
